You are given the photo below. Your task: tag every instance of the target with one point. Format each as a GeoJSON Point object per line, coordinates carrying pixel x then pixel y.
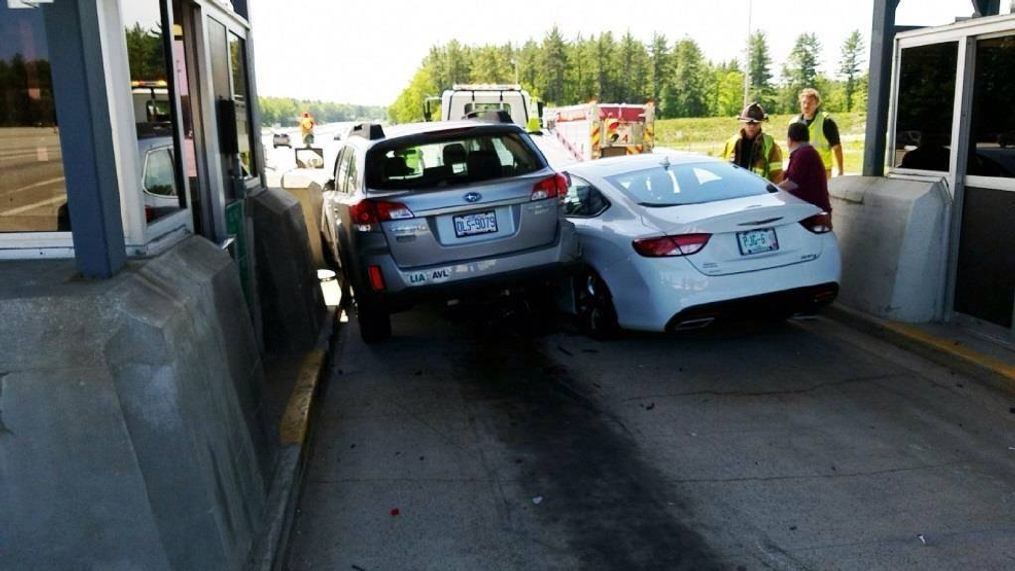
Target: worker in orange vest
{"type": "Point", "coordinates": [307, 129]}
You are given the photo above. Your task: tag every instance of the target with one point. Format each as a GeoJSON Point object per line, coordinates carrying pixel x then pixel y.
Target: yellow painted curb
{"type": "Point", "coordinates": [956, 349]}
{"type": "Point", "coordinates": [293, 428]}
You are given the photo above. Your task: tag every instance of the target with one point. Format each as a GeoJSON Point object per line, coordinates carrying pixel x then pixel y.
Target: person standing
{"type": "Point", "coordinates": [307, 129]}
{"type": "Point", "coordinates": [805, 176]}
{"type": "Point", "coordinates": [824, 133]}
{"type": "Point", "coordinates": [753, 149]}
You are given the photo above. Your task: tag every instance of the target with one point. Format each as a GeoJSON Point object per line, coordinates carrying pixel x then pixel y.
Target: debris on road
{"type": "Point", "coordinates": [537, 500]}
{"type": "Point", "coordinates": [395, 512]}
{"type": "Point", "coordinates": [565, 351]}
{"type": "Point", "coordinates": [922, 539]}
{"type": "Point", "coordinates": [651, 406]}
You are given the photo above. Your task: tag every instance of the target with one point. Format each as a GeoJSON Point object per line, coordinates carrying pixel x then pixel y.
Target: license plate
{"type": "Point", "coordinates": [476, 223]}
{"type": "Point", "coordinates": [757, 241]}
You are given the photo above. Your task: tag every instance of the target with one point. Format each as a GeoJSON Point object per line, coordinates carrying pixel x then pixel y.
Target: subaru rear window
{"type": "Point", "coordinates": [696, 183]}
{"type": "Point", "coordinates": [422, 164]}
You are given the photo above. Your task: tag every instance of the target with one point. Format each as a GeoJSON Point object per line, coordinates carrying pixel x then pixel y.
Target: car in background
{"type": "Point", "coordinates": [676, 241]}
{"type": "Point", "coordinates": [280, 139]}
{"type": "Point", "coordinates": [432, 210]}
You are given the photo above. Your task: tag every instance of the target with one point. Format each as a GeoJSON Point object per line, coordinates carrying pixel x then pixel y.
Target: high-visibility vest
{"type": "Point", "coordinates": [761, 165]}
{"type": "Point", "coordinates": [818, 140]}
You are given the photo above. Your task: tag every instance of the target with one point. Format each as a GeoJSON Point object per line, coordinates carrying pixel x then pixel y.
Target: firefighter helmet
{"type": "Point", "coordinates": [753, 113]}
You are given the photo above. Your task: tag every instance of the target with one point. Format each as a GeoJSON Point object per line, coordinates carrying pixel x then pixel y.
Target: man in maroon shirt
{"type": "Point", "coordinates": [805, 177]}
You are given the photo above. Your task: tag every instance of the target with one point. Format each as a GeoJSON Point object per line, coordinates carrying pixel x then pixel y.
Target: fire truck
{"type": "Point", "coordinates": [595, 130]}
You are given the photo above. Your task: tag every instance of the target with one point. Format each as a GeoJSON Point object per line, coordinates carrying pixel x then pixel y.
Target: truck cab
{"type": "Point", "coordinates": [464, 101]}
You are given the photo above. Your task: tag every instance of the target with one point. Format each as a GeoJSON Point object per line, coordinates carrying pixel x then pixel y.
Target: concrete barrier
{"type": "Point", "coordinates": [893, 237]}
{"type": "Point", "coordinates": [291, 300]}
{"type": "Point", "coordinates": [131, 428]}
{"type": "Point", "coordinates": [306, 186]}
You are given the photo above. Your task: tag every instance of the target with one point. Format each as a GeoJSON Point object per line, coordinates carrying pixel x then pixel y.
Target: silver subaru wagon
{"type": "Point", "coordinates": [431, 210]}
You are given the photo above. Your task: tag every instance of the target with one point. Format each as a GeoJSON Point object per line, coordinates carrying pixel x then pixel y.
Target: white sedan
{"type": "Point", "coordinates": [677, 240]}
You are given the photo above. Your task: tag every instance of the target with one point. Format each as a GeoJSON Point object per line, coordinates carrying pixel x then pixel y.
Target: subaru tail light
{"type": "Point", "coordinates": [820, 223]}
{"type": "Point", "coordinates": [552, 187]}
{"type": "Point", "coordinates": [367, 212]}
{"type": "Point", "coordinates": [665, 246]}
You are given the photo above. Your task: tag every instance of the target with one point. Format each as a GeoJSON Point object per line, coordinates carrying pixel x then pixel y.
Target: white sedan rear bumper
{"type": "Point", "coordinates": [649, 292]}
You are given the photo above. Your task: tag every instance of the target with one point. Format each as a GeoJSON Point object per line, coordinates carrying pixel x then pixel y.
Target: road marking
{"type": "Point", "coordinates": [33, 206]}
{"type": "Point", "coordinates": [37, 185]}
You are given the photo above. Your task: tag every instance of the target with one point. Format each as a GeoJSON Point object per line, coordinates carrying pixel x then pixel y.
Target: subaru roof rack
{"type": "Point", "coordinates": [498, 116]}
{"type": "Point", "coordinates": [369, 131]}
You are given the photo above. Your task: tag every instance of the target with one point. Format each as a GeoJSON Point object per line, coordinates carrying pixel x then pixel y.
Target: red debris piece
{"type": "Point", "coordinates": [395, 512]}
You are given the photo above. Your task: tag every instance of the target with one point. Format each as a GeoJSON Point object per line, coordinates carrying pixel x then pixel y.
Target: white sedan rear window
{"type": "Point", "coordinates": [674, 185]}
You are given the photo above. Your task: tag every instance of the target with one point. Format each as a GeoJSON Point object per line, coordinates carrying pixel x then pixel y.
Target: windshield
{"type": "Point", "coordinates": [464, 158]}
{"type": "Point", "coordinates": [695, 183]}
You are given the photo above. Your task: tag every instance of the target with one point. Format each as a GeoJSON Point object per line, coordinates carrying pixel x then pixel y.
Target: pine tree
{"type": "Point", "coordinates": [687, 96]}
{"type": "Point", "coordinates": [605, 74]}
{"type": "Point", "coordinates": [801, 69]}
{"type": "Point", "coordinates": [850, 65]}
{"type": "Point", "coordinates": [554, 66]}
{"type": "Point", "coordinates": [660, 66]}
{"type": "Point", "coordinates": [759, 68]}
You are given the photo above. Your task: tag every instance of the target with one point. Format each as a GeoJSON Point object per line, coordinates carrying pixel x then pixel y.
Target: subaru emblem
{"type": "Point", "coordinates": [473, 197]}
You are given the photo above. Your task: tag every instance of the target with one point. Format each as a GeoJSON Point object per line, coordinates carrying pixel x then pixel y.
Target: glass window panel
{"type": "Point", "coordinates": [151, 89]}
{"type": "Point", "coordinates": [238, 68]}
{"type": "Point", "coordinates": [33, 192]}
{"type": "Point", "coordinates": [992, 137]}
{"type": "Point", "coordinates": [159, 177]}
{"type": "Point", "coordinates": [923, 123]}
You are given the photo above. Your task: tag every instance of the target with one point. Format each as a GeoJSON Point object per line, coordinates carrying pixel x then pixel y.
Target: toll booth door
{"type": "Point", "coordinates": [985, 279]}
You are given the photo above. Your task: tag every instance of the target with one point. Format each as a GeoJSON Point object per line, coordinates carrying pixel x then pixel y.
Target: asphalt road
{"type": "Point", "coordinates": [477, 440]}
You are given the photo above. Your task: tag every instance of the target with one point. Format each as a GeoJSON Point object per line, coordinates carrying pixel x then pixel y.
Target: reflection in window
{"type": "Point", "coordinates": [923, 123]}
{"type": "Point", "coordinates": [238, 68]}
{"type": "Point", "coordinates": [150, 89]}
{"type": "Point", "coordinates": [33, 192]}
{"type": "Point", "coordinates": [992, 137]}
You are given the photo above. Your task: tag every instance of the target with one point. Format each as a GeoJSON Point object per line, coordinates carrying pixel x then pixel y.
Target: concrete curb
{"type": "Point", "coordinates": [947, 352]}
{"type": "Point", "coordinates": [269, 554]}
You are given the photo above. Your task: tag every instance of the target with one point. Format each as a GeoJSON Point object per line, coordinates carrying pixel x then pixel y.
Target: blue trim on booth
{"type": "Point", "coordinates": [86, 140]}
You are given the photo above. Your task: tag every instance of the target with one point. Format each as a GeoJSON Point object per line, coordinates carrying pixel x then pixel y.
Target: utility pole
{"type": "Point", "coordinates": [747, 64]}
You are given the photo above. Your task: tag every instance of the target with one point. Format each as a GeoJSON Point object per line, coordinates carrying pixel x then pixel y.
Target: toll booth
{"type": "Point", "coordinates": [143, 273]}
{"type": "Point", "coordinates": [924, 232]}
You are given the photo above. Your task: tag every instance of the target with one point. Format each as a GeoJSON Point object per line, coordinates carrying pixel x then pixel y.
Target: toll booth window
{"type": "Point", "coordinates": [992, 137]}
{"type": "Point", "coordinates": [33, 192]}
{"type": "Point", "coordinates": [152, 96]}
{"type": "Point", "coordinates": [926, 100]}
{"type": "Point", "coordinates": [244, 134]}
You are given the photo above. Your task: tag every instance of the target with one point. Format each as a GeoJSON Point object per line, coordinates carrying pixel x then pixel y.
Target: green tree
{"type": "Point", "coordinates": [581, 71]}
{"type": "Point", "coordinates": [660, 66]}
{"type": "Point", "coordinates": [801, 69]}
{"type": "Point", "coordinates": [604, 73]}
{"type": "Point", "coordinates": [632, 67]}
{"type": "Point", "coordinates": [408, 106]}
{"type": "Point", "coordinates": [727, 89]}
{"type": "Point", "coordinates": [850, 66]}
{"type": "Point", "coordinates": [490, 64]}
{"type": "Point", "coordinates": [759, 69]}
{"type": "Point", "coordinates": [554, 66]}
{"type": "Point", "coordinates": [528, 65]}
{"type": "Point", "coordinates": [687, 96]}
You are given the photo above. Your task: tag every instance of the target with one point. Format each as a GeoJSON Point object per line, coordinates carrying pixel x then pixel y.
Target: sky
{"type": "Point", "coordinates": [365, 52]}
